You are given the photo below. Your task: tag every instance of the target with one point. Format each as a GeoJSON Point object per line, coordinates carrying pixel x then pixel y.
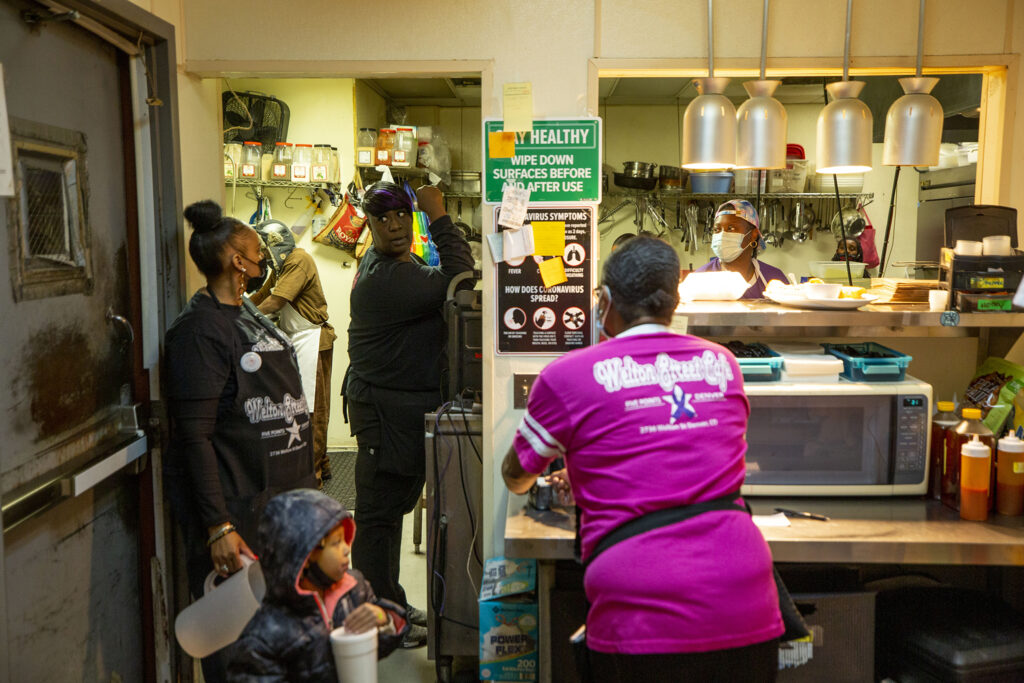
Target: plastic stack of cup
{"type": "Point", "coordinates": [938, 299]}
{"type": "Point", "coordinates": [355, 655]}
{"type": "Point", "coordinates": [968, 248]}
{"type": "Point", "coordinates": [996, 245]}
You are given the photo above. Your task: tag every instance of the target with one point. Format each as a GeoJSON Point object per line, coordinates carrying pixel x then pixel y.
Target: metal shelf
{"type": "Point", "coordinates": [247, 182]}
{"type": "Point", "coordinates": [874, 319]}
{"type": "Point", "coordinates": [671, 194]}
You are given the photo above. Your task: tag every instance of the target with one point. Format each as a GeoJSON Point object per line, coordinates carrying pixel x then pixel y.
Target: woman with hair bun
{"type": "Point", "coordinates": [651, 425]}
{"type": "Point", "coordinates": [239, 424]}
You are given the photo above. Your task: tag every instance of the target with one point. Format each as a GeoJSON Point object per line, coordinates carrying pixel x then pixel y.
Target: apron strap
{"type": "Point", "coordinates": [660, 518]}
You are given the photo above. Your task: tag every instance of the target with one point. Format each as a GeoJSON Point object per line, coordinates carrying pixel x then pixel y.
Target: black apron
{"type": "Point", "coordinates": [265, 440]}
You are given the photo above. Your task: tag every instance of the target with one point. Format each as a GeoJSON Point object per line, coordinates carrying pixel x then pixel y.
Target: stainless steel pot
{"type": "Point", "coordinates": [638, 169]}
{"type": "Point", "coordinates": [672, 177]}
{"type": "Point", "coordinates": [852, 220]}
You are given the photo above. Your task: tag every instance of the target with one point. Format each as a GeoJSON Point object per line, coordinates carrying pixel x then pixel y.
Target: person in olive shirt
{"type": "Point", "coordinates": [396, 342]}
{"type": "Point", "coordinates": [294, 293]}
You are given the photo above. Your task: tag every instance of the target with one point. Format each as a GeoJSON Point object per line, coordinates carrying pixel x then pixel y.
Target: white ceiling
{"type": "Point", "coordinates": [957, 93]}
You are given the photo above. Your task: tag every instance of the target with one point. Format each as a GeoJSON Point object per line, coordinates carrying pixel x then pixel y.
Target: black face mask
{"type": "Point", "coordinates": [255, 283]}
{"type": "Point", "coordinates": [317, 576]}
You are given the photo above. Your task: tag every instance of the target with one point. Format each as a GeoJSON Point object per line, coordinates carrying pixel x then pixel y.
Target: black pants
{"type": "Point", "coordinates": [382, 500]}
{"type": "Point", "coordinates": [757, 663]}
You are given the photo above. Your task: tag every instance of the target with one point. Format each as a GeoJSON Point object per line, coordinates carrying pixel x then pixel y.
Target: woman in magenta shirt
{"type": "Point", "coordinates": [647, 421]}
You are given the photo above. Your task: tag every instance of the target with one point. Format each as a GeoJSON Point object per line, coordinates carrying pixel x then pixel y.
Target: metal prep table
{"type": "Point", "coordinates": [860, 531]}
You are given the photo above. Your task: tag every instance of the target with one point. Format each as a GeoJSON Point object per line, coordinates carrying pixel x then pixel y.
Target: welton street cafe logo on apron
{"type": "Point", "coordinates": [265, 409]}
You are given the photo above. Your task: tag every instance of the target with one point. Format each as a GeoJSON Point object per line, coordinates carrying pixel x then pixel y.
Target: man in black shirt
{"type": "Point", "coordinates": [396, 342]}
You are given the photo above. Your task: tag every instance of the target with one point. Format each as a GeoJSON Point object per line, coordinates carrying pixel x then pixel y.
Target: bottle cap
{"type": "Point", "coordinates": [975, 449]}
{"type": "Point", "coordinates": [1011, 444]}
{"type": "Point", "coordinates": [971, 413]}
{"type": "Point", "coordinates": [946, 406]}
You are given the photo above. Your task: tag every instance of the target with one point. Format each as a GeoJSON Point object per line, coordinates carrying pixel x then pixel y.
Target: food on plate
{"type": "Point", "coordinates": [780, 288]}
{"type": "Point", "coordinates": [852, 293]}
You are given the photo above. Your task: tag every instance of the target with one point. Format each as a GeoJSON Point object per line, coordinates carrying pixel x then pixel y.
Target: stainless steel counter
{"type": "Point", "coordinates": [997, 331]}
{"type": "Point", "coordinates": [869, 531]}
{"type": "Point", "coordinates": [766, 313]}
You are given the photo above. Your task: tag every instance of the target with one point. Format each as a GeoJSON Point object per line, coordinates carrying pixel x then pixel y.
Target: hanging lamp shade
{"type": "Point", "coordinates": [709, 127]}
{"type": "Point", "coordinates": [844, 131]}
{"type": "Point", "coordinates": [913, 126]}
{"type": "Point", "coordinates": [761, 128]}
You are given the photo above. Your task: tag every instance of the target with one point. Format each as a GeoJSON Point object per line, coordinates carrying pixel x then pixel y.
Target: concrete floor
{"type": "Point", "coordinates": [410, 666]}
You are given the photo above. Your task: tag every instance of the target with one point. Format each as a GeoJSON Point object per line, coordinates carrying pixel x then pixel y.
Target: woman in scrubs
{"type": "Point", "coordinates": [735, 241]}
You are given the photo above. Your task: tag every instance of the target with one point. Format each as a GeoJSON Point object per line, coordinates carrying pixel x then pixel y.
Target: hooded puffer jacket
{"type": "Point", "coordinates": [288, 639]}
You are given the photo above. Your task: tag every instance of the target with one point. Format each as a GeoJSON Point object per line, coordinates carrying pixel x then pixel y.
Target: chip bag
{"type": "Point", "coordinates": [343, 229]}
{"type": "Point", "coordinates": [995, 385]}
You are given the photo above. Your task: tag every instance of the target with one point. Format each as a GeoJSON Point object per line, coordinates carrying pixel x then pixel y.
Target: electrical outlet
{"type": "Point", "coordinates": [521, 389]}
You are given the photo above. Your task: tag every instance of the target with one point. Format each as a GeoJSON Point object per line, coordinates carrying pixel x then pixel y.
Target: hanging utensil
{"type": "Point", "coordinates": [853, 222]}
{"type": "Point", "coordinates": [463, 227]}
{"type": "Point", "coordinates": [770, 238]}
{"type": "Point", "coordinates": [692, 216]}
{"type": "Point", "coordinates": [679, 225]}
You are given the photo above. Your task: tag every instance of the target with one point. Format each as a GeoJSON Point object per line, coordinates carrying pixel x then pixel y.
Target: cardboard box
{"type": "Point", "coordinates": [509, 634]}
{"type": "Point", "coordinates": [842, 649]}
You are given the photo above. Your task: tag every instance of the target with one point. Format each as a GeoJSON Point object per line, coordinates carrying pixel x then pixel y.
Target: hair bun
{"type": "Point", "coordinates": [203, 215]}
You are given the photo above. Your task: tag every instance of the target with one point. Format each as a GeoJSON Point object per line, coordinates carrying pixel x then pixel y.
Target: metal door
{"type": "Point", "coordinates": [71, 564]}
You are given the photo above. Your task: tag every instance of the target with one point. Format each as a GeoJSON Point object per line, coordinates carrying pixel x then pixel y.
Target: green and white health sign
{"type": "Point", "coordinates": [559, 161]}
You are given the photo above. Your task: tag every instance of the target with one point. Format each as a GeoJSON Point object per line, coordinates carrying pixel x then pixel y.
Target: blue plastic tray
{"type": "Point", "coordinates": [857, 369]}
{"type": "Point", "coordinates": [761, 369]}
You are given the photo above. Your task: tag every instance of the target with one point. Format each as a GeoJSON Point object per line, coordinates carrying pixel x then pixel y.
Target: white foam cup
{"type": "Point", "coordinates": [355, 655]}
{"type": "Point", "coordinates": [968, 248]}
{"type": "Point", "coordinates": [996, 245]}
{"type": "Point", "coordinates": [217, 619]}
{"type": "Point", "coordinates": [937, 299]}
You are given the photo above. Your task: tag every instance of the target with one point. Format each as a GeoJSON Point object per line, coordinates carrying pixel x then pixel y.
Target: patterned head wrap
{"type": "Point", "coordinates": [745, 210]}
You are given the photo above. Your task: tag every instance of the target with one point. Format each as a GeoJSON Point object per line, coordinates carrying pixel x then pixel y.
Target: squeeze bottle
{"type": "Point", "coordinates": [1010, 476]}
{"type": "Point", "coordinates": [975, 468]}
{"type": "Point", "coordinates": [971, 425]}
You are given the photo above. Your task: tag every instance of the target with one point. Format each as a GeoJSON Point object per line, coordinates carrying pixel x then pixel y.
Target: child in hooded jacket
{"type": "Point", "coordinates": [311, 590]}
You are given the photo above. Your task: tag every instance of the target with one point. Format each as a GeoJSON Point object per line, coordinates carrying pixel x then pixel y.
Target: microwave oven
{"type": "Point", "coordinates": [838, 438]}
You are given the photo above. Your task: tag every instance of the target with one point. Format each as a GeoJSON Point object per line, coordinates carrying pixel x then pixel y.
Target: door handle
{"type": "Point", "coordinates": [120, 319]}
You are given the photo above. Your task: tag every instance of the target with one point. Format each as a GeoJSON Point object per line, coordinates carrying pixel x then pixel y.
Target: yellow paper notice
{"type": "Point", "coordinates": [548, 238]}
{"type": "Point", "coordinates": [552, 272]}
{"type": "Point", "coordinates": [501, 145]}
{"type": "Point", "coordinates": [518, 107]}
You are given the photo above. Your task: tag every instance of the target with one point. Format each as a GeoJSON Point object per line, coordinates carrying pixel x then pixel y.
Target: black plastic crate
{"type": "Point", "coordinates": [941, 634]}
